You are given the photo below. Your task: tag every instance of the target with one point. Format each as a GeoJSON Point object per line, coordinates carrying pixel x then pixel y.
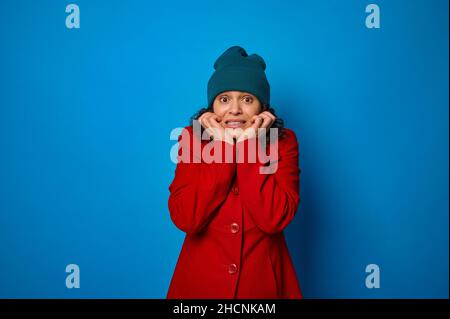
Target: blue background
{"type": "Point", "coordinates": [85, 118]}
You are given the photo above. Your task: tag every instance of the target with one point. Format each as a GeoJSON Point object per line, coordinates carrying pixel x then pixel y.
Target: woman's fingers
{"type": "Point", "coordinates": [257, 121]}
{"type": "Point", "coordinates": [262, 120]}
{"type": "Point", "coordinates": [267, 119]}
{"type": "Point", "coordinates": [215, 121]}
{"type": "Point", "coordinates": [205, 117]}
{"type": "Point", "coordinates": [207, 122]}
{"type": "Point", "coordinates": [211, 122]}
{"type": "Point", "coordinates": [200, 119]}
{"type": "Point", "coordinates": [208, 129]}
{"type": "Point", "coordinates": [270, 115]}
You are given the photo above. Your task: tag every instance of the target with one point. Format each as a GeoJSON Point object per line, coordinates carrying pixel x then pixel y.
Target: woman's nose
{"type": "Point", "coordinates": [235, 108]}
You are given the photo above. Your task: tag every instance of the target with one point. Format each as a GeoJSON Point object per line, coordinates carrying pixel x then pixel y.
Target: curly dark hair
{"type": "Point", "coordinates": [278, 123]}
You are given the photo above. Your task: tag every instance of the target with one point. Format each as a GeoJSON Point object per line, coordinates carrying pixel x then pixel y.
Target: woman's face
{"type": "Point", "coordinates": [236, 108]}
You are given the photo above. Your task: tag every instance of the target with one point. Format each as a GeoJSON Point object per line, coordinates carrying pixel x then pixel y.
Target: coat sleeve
{"type": "Point", "coordinates": [271, 199]}
{"type": "Point", "coordinates": [199, 189]}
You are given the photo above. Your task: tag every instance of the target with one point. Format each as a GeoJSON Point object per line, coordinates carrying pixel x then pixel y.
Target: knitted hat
{"type": "Point", "coordinates": [235, 70]}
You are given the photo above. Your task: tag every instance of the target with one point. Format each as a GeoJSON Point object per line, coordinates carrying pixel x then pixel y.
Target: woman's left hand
{"type": "Point", "coordinates": [263, 120]}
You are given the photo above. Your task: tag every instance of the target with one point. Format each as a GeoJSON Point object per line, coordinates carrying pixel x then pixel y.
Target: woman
{"type": "Point", "coordinates": [234, 212]}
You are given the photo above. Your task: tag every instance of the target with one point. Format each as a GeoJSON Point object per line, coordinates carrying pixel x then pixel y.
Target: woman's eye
{"type": "Point", "coordinates": [224, 99]}
{"type": "Point", "coordinates": [248, 99]}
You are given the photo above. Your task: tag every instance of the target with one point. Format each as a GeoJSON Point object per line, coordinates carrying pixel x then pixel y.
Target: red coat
{"type": "Point", "coordinates": [233, 218]}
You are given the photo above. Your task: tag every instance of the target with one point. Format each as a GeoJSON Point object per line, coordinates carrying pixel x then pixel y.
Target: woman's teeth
{"type": "Point", "coordinates": [235, 124]}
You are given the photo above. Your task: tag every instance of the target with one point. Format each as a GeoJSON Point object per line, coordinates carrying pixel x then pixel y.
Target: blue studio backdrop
{"type": "Point", "coordinates": [86, 115]}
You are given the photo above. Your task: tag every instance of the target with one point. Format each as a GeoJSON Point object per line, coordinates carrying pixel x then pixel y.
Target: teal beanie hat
{"type": "Point", "coordinates": [235, 70]}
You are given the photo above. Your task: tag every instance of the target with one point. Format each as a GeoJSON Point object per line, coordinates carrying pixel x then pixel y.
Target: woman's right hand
{"type": "Point", "coordinates": [211, 122]}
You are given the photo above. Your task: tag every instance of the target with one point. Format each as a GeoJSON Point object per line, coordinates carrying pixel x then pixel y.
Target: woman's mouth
{"type": "Point", "coordinates": [234, 123]}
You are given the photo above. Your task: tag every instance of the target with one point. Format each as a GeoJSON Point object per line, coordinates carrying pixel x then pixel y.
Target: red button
{"type": "Point", "coordinates": [232, 268]}
{"type": "Point", "coordinates": [235, 190]}
{"type": "Point", "coordinates": [234, 228]}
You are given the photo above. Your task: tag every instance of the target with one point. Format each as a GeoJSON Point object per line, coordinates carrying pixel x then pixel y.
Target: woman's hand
{"type": "Point", "coordinates": [262, 120]}
{"type": "Point", "coordinates": [211, 122]}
